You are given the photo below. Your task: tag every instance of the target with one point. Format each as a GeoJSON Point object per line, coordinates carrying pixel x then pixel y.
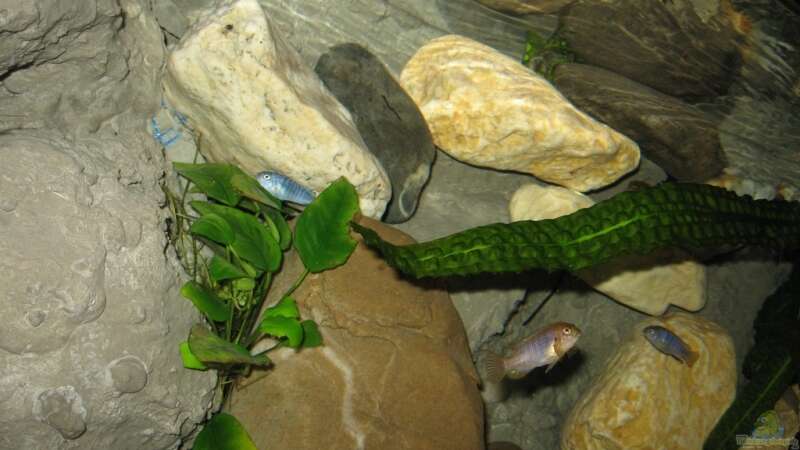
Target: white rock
{"type": "Point", "coordinates": [647, 283]}
{"type": "Point", "coordinates": [256, 105]}
{"type": "Point", "coordinates": [487, 109]}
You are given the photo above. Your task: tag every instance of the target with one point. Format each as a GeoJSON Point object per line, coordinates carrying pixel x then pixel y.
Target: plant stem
{"type": "Point", "coordinates": [296, 283]}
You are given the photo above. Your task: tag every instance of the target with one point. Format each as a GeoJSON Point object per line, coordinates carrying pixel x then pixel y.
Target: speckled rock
{"type": "Point", "coordinates": [394, 372]}
{"type": "Point", "coordinates": [647, 283]}
{"type": "Point", "coordinates": [527, 6]}
{"type": "Point", "coordinates": [89, 289]}
{"type": "Point", "coordinates": [658, 402]}
{"type": "Point", "coordinates": [486, 109]}
{"type": "Point", "coordinates": [388, 120]}
{"type": "Point", "coordinates": [257, 105]}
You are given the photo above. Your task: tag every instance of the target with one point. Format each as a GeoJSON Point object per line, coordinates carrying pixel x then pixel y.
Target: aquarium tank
{"type": "Point", "coordinates": [400, 225]}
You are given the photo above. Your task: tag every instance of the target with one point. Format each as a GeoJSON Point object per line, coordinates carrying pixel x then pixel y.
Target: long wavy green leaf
{"type": "Point", "coordinates": [670, 214]}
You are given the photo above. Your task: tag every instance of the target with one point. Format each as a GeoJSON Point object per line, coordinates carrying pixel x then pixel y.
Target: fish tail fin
{"type": "Point", "coordinates": [691, 358]}
{"type": "Point", "coordinates": [495, 369]}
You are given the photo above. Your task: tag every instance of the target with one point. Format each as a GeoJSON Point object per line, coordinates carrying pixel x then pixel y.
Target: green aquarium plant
{"type": "Point", "coordinates": [770, 366]}
{"type": "Point", "coordinates": [635, 222]}
{"type": "Point", "coordinates": [245, 231]}
{"type": "Point", "coordinates": [543, 55]}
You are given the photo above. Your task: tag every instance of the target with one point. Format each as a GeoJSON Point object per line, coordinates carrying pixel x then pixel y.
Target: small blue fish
{"type": "Point", "coordinates": [284, 188]}
{"type": "Point", "coordinates": [669, 343]}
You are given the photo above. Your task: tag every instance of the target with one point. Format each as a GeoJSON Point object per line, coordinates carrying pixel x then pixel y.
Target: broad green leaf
{"type": "Point", "coordinates": [252, 240]}
{"type": "Point", "coordinates": [283, 327]}
{"type": "Point", "coordinates": [249, 187]}
{"type": "Point", "coordinates": [213, 179]}
{"type": "Point", "coordinates": [210, 348]}
{"type": "Point", "coordinates": [322, 234]}
{"type": "Point", "coordinates": [223, 432]}
{"type": "Point", "coordinates": [189, 360]}
{"type": "Point", "coordinates": [213, 227]}
{"type": "Point", "coordinates": [284, 231]}
{"type": "Point", "coordinates": [244, 284]}
{"type": "Point", "coordinates": [287, 307]}
{"type": "Point", "coordinates": [311, 334]}
{"type": "Point", "coordinates": [206, 301]}
{"type": "Point", "coordinates": [219, 269]}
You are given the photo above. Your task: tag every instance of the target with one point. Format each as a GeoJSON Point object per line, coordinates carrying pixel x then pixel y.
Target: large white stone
{"type": "Point", "coordinates": [647, 283]}
{"type": "Point", "coordinates": [256, 105]}
{"type": "Point", "coordinates": [487, 109]}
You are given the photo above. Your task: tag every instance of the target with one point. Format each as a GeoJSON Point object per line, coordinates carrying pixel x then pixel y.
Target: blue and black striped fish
{"type": "Point", "coordinates": [284, 188]}
{"type": "Point", "coordinates": [669, 343]}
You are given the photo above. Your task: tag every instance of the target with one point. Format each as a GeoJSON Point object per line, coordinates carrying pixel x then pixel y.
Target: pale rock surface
{"type": "Point", "coordinates": [486, 109]}
{"type": "Point", "coordinates": [257, 105]}
{"type": "Point", "coordinates": [394, 373]}
{"type": "Point", "coordinates": [527, 6]}
{"type": "Point", "coordinates": [645, 399]}
{"type": "Point", "coordinates": [647, 283]}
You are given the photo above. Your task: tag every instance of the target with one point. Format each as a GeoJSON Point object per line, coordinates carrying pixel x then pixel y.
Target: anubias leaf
{"type": "Point", "coordinates": [666, 215]}
{"type": "Point", "coordinates": [252, 240]}
{"type": "Point", "coordinates": [219, 269]}
{"type": "Point", "coordinates": [759, 395]}
{"type": "Point", "coordinates": [213, 227]}
{"type": "Point", "coordinates": [210, 348]}
{"type": "Point", "coordinates": [223, 432]}
{"type": "Point", "coordinates": [206, 301]}
{"type": "Point", "coordinates": [212, 179]}
{"type": "Point", "coordinates": [250, 188]}
{"type": "Point", "coordinates": [189, 360]}
{"type": "Point", "coordinates": [311, 334]}
{"type": "Point", "coordinates": [283, 327]}
{"type": "Point", "coordinates": [322, 235]}
{"type": "Point", "coordinates": [286, 307]}
{"type": "Point", "coordinates": [281, 227]}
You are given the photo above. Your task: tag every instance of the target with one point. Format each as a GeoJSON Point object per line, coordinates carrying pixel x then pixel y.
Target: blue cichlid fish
{"type": "Point", "coordinates": [669, 343]}
{"type": "Point", "coordinates": [543, 348]}
{"type": "Point", "coordinates": [284, 188]}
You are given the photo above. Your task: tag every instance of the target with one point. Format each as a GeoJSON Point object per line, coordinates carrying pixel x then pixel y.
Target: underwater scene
{"type": "Point", "coordinates": [400, 224]}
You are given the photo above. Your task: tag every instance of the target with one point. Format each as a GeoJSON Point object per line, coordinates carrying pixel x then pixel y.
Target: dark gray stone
{"type": "Point", "coordinates": [678, 137]}
{"type": "Point", "coordinates": [669, 46]}
{"type": "Point", "coordinates": [387, 118]}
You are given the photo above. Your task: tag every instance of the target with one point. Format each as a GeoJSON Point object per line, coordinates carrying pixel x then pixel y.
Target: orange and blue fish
{"type": "Point", "coordinates": [544, 348]}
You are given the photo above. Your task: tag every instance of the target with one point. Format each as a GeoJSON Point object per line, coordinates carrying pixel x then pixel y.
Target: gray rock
{"type": "Point", "coordinates": [675, 135]}
{"type": "Point", "coordinates": [527, 6]}
{"type": "Point", "coordinates": [91, 305]}
{"type": "Point", "coordinates": [669, 46]}
{"type": "Point", "coordinates": [737, 286]}
{"type": "Point", "coordinates": [387, 119]}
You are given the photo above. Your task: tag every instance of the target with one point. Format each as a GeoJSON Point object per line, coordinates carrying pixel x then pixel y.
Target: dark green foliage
{"type": "Point", "coordinates": [210, 348]}
{"type": "Point", "coordinates": [223, 432]}
{"type": "Point", "coordinates": [670, 214]}
{"type": "Point", "coordinates": [771, 365]}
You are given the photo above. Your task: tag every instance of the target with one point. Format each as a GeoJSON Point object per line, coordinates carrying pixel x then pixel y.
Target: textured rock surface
{"type": "Point", "coordinates": [533, 415]}
{"type": "Point", "coordinates": [92, 313]}
{"type": "Point", "coordinates": [658, 402]}
{"type": "Point", "coordinates": [387, 119]}
{"type": "Point", "coordinates": [394, 373]}
{"type": "Point", "coordinates": [458, 197]}
{"type": "Point", "coordinates": [258, 106]}
{"type": "Point", "coordinates": [681, 139]}
{"type": "Point", "coordinates": [486, 109]}
{"type": "Point", "coordinates": [647, 283]}
{"type": "Point", "coordinates": [677, 48]}
{"type": "Point", "coordinates": [527, 6]}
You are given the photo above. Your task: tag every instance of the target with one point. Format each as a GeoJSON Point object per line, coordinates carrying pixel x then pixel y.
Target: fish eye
{"type": "Point", "coordinates": [567, 331]}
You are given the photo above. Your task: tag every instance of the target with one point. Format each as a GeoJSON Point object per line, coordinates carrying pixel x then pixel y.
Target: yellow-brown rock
{"type": "Point", "coordinates": [394, 372]}
{"type": "Point", "coordinates": [527, 6]}
{"type": "Point", "coordinates": [648, 283]}
{"type": "Point", "coordinates": [487, 109]}
{"type": "Point", "coordinates": [647, 400]}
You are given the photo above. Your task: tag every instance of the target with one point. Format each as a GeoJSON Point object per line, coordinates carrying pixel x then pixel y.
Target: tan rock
{"type": "Point", "coordinates": [527, 6]}
{"type": "Point", "coordinates": [648, 400]}
{"type": "Point", "coordinates": [647, 283]}
{"type": "Point", "coordinates": [486, 109]}
{"type": "Point", "coordinates": [395, 371]}
{"type": "Point", "coordinates": [256, 105]}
